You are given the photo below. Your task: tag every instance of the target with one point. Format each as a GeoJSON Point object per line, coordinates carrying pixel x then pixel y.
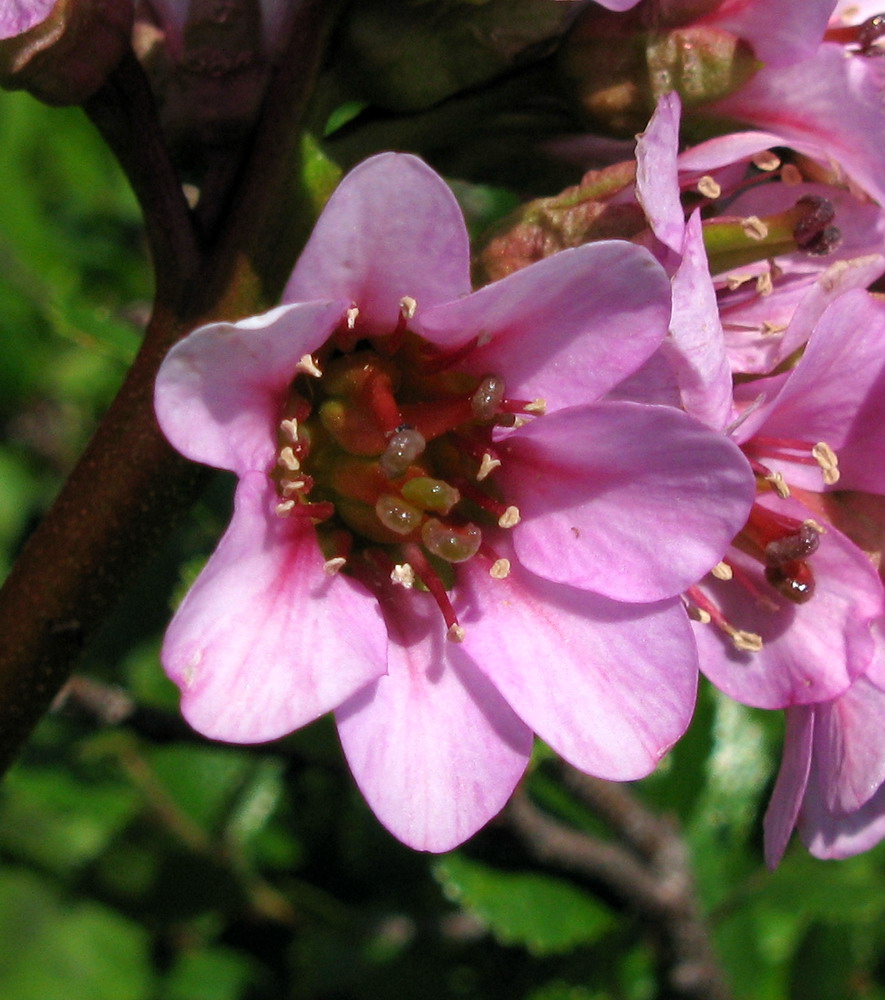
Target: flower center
{"type": "Point", "coordinates": [389, 449]}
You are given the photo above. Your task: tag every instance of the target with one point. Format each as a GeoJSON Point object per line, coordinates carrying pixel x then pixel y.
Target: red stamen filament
{"type": "Point", "coordinates": [785, 448]}
{"type": "Point", "coordinates": [482, 500]}
{"type": "Point", "coordinates": [427, 575]}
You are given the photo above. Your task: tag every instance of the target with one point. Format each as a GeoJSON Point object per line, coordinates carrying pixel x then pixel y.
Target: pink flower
{"type": "Point", "coordinates": [384, 423]}
{"type": "Point", "coordinates": [787, 618]}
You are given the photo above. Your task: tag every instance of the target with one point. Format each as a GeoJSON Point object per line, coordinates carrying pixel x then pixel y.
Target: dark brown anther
{"type": "Point", "coordinates": [794, 580]}
{"type": "Point", "coordinates": [792, 548]}
{"type": "Point", "coordinates": [813, 232]}
{"type": "Point", "coordinates": [869, 33]}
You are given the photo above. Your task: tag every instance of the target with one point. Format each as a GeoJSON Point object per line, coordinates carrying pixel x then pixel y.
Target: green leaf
{"type": "Point", "coordinates": [546, 915]}
{"type": "Point", "coordinates": [57, 949]}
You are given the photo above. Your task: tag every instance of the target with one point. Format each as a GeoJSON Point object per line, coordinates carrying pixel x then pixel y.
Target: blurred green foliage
{"type": "Point", "coordinates": [153, 866]}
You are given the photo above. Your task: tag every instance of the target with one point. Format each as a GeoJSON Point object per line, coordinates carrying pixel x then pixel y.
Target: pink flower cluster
{"type": "Point", "coordinates": [466, 517]}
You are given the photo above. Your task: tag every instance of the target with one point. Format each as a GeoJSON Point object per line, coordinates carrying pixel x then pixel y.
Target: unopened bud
{"type": "Point", "coordinates": [620, 64]}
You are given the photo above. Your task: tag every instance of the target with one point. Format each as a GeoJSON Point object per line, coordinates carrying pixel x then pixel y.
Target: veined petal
{"type": "Point", "coordinates": [433, 746]}
{"type": "Point", "coordinates": [657, 183]}
{"type": "Point", "coordinates": [792, 780]}
{"type": "Point", "coordinates": [265, 641]}
{"type": "Point", "coordinates": [697, 345]}
{"type": "Point", "coordinates": [609, 686]}
{"type": "Point", "coordinates": [780, 31]}
{"type": "Point", "coordinates": [828, 100]}
{"type": "Point", "coordinates": [836, 394]}
{"type": "Point", "coordinates": [568, 328]}
{"type": "Point", "coordinates": [219, 390]}
{"type": "Point", "coordinates": [849, 746]}
{"type": "Point", "coordinates": [634, 502]}
{"type": "Point", "coordinates": [391, 229]}
{"type": "Point", "coordinates": [831, 836]}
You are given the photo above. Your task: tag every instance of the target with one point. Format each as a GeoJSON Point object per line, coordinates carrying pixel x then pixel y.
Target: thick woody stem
{"type": "Point", "coordinates": [648, 871]}
{"type": "Point", "coordinates": [129, 486]}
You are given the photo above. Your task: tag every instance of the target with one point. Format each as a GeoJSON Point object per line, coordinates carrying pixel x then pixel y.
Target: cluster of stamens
{"type": "Point", "coordinates": [389, 450]}
{"type": "Point", "coordinates": [782, 545]}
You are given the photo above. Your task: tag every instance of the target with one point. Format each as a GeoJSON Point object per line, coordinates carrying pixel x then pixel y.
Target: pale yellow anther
{"type": "Point", "coordinates": [333, 566]}
{"type": "Point", "coordinates": [510, 518]}
{"type": "Point", "coordinates": [791, 174]}
{"type": "Point", "coordinates": [309, 367]}
{"type": "Point", "coordinates": [744, 642]}
{"type": "Point", "coordinates": [754, 228]}
{"type": "Point", "coordinates": [778, 484]}
{"type": "Point", "coordinates": [284, 507]}
{"type": "Point", "coordinates": [289, 430]}
{"type": "Point", "coordinates": [722, 571]}
{"type": "Point", "coordinates": [810, 522]}
{"type": "Point", "coordinates": [698, 614]}
{"type": "Point", "coordinates": [500, 569]}
{"type": "Point", "coordinates": [537, 406]}
{"type": "Point", "coordinates": [352, 314]}
{"type": "Point", "coordinates": [455, 633]}
{"type": "Point", "coordinates": [765, 284]}
{"type": "Point", "coordinates": [766, 160]}
{"type": "Point", "coordinates": [487, 465]}
{"type": "Point", "coordinates": [408, 306]}
{"type": "Point", "coordinates": [519, 421]}
{"type": "Point", "coordinates": [769, 328]}
{"type": "Point", "coordinates": [708, 187]}
{"type": "Point", "coordinates": [403, 575]}
{"type": "Point", "coordinates": [289, 487]}
{"type": "Point", "coordinates": [828, 461]}
{"type": "Point", "coordinates": [287, 460]}
{"type": "Point", "coordinates": [734, 281]}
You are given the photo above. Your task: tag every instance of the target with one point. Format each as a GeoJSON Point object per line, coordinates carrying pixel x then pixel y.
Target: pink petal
{"type": "Point", "coordinates": [792, 780]}
{"type": "Point", "coordinates": [780, 31]}
{"type": "Point", "coordinates": [219, 391]}
{"type": "Point", "coordinates": [793, 308]}
{"type": "Point", "coordinates": [811, 652]}
{"type": "Point", "coordinates": [634, 502]}
{"type": "Point", "coordinates": [567, 328]}
{"type": "Point", "coordinates": [831, 836]}
{"type": "Point", "coordinates": [697, 346]}
{"type": "Point", "coordinates": [618, 5]}
{"type": "Point", "coordinates": [836, 394]}
{"type": "Point", "coordinates": [391, 229]}
{"type": "Point", "coordinates": [18, 16]}
{"type": "Point", "coordinates": [433, 746]}
{"type": "Point", "coordinates": [829, 100]}
{"type": "Point", "coordinates": [849, 746]}
{"type": "Point", "coordinates": [657, 184]}
{"type": "Point", "coordinates": [609, 686]}
{"type": "Point", "coordinates": [266, 641]}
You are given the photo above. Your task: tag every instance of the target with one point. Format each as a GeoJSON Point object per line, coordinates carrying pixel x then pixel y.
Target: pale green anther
{"type": "Point", "coordinates": [453, 543]}
{"type": "Point", "coordinates": [404, 447]}
{"type": "Point", "coordinates": [397, 515]}
{"type": "Point", "coordinates": [431, 494]}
